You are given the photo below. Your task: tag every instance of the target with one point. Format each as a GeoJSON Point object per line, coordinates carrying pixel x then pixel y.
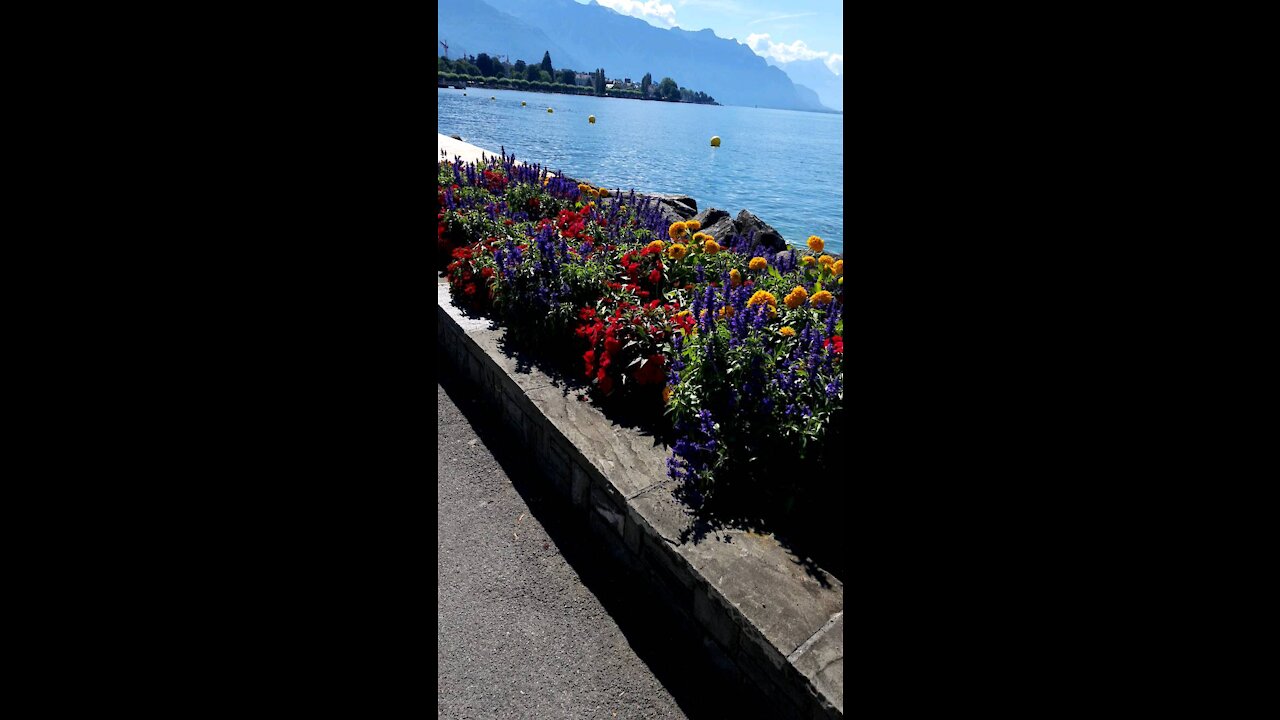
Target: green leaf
{"type": "Point", "coordinates": [774, 272]}
{"type": "Point", "coordinates": [817, 287]}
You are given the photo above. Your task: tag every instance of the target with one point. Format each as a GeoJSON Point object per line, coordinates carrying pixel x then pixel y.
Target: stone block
{"type": "Point", "coordinates": [627, 460]}
{"type": "Point", "coordinates": [607, 508]}
{"type": "Point", "coordinates": [581, 486]}
{"type": "Point", "coordinates": [821, 662]}
{"type": "Point", "coordinates": [715, 619]}
{"type": "Point", "coordinates": [770, 587]}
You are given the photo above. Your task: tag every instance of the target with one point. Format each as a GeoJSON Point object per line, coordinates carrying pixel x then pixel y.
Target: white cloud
{"type": "Point", "coordinates": [763, 46]}
{"type": "Point", "coordinates": [781, 17]}
{"type": "Point", "coordinates": [652, 11]}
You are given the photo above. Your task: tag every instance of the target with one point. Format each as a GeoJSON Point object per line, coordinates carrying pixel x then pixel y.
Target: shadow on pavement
{"type": "Point", "coordinates": [674, 656]}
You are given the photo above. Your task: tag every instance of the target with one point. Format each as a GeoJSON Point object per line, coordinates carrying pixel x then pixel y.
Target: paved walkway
{"type": "Point", "coordinates": [452, 148]}
{"type": "Point", "coordinates": [533, 620]}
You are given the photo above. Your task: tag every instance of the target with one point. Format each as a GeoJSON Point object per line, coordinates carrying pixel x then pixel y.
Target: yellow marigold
{"type": "Point", "coordinates": [838, 268]}
{"type": "Point", "coordinates": [822, 297]}
{"type": "Point", "coordinates": [676, 251]}
{"type": "Point", "coordinates": [656, 245]}
{"type": "Point", "coordinates": [666, 395]}
{"type": "Point", "coordinates": [815, 243]}
{"type": "Point", "coordinates": [693, 225]}
{"type": "Point", "coordinates": [735, 278]}
{"type": "Point", "coordinates": [758, 263]}
{"type": "Point", "coordinates": [826, 260]}
{"type": "Point", "coordinates": [727, 311]}
{"type": "Point", "coordinates": [677, 230]}
{"type": "Point", "coordinates": [787, 331]}
{"type": "Point", "coordinates": [604, 193]}
{"type": "Point", "coordinates": [593, 193]}
{"type": "Point", "coordinates": [807, 260]}
{"type": "Point", "coordinates": [583, 187]}
{"type": "Point", "coordinates": [711, 247]}
{"type": "Point", "coordinates": [796, 297]}
{"type": "Point", "coordinates": [763, 296]}
{"type": "Point", "coordinates": [701, 237]}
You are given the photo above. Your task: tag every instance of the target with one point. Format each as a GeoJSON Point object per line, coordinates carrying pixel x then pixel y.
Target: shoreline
{"type": "Point", "coordinates": [472, 153]}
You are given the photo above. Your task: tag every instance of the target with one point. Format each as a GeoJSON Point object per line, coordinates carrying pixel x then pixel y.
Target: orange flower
{"type": "Point", "coordinates": [796, 297]}
{"type": "Point", "coordinates": [666, 395]}
{"type": "Point", "coordinates": [826, 260]}
{"type": "Point", "coordinates": [693, 225]}
{"type": "Point", "coordinates": [815, 243]}
{"type": "Point", "coordinates": [822, 297]}
{"type": "Point", "coordinates": [735, 278]}
{"type": "Point", "coordinates": [763, 296]}
{"type": "Point", "coordinates": [807, 260]}
{"type": "Point", "coordinates": [838, 268]}
{"type": "Point", "coordinates": [711, 247]}
{"type": "Point", "coordinates": [787, 331]}
{"type": "Point", "coordinates": [758, 263]}
{"type": "Point", "coordinates": [727, 311]}
{"type": "Point", "coordinates": [676, 251]}
{"type": "Point", "coordinates": [656, 245]}
{"type": "Point", "coordinates": [677, 230]}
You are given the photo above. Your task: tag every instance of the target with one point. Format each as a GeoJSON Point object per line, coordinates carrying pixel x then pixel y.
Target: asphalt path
{"type": "Point", "coordinates": [535, 620]}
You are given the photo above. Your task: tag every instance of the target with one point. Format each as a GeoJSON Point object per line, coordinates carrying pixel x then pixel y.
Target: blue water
{"type": "Point", "coordinates": [785, 166]}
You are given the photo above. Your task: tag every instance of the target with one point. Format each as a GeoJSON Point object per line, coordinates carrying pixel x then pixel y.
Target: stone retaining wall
{"type": "Point", "coordinates": [764, 617]}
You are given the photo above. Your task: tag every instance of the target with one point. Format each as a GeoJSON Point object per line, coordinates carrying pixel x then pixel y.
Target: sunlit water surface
{"type": "Point", "coordinates": [785, 166]}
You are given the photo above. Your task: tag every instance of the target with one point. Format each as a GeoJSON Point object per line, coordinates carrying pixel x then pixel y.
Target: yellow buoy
{"type": "Point", "coordinates": [591, 119]}
{"type": "Point", "coordinates": [549, 110]}
{"type": "Point", "coordinates": [522, 103]}
{"type": "Point", "coordinates": [715, 141]}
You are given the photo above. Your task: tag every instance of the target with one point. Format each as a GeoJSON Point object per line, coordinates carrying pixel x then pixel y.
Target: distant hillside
{"type": "Point", "coordinates": [592, 36]}
{"type": "Point", "coordinates": [475, 26]}
{"type": "Point", "coordinates": [816, 75]}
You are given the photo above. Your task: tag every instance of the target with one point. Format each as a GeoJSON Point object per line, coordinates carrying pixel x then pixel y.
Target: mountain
{"type": "Point", "coordinates": [474, 26]}
{"type": "Point", "coordinates": [816, 75]}
{"type": "Point", "coordinates": [629, 47]}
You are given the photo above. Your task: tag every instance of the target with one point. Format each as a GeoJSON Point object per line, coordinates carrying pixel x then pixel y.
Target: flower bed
{"type": "Point", "coordinates": [740, 348]}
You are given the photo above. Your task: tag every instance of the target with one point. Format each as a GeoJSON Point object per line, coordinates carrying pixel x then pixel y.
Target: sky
{"type": "Point", "coordinates": [783, 31]}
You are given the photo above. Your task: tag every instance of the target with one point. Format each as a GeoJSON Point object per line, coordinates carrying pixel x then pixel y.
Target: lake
{"type": "Point", "coordinates": [785, 166]}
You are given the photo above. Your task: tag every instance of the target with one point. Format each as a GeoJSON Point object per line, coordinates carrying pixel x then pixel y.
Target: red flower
{"type": "Point", "coordinates": [653, 371]}
{"type": "Point", "coordinates": [611, 345]}
{"type": "Point", "coordinates": [487, 273]}
{"type": "Point", "coordinates": [836, 342]}
{"type": "Point", "coordinates": [606, 382]}
{"type": "Point", "coordinates": [586, 313]}
{"type": "Point", "coordinates": [590, 358]}
{"type": "Point", "coordinates": [655, 276]}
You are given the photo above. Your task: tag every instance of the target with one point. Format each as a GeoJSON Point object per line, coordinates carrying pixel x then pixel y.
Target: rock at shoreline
{"type": "Point", "coordinates": [675, 207]}
{"type": "Point", "coordinates": [716, 223]}
{"type": "Point", "coordinates": [747, 223]}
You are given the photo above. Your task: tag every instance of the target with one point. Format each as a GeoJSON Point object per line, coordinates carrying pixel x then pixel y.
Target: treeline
{"type": "Point", "coordinates": [487, 71]}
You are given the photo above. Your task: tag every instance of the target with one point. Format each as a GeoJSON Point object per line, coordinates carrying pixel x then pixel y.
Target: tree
{"type": "Point", "coordinates": [546, 63]}
{"type": "Point", "coordinates": [532, 73]}
{"type": "Point", "coordinates": [597, 79]}
{"type": "Point", "coordinates": [567, 76]}
{"type": "Point", "coordinates": [668, 89]}
{"type": "Point", "coordinates": [517, 70]}
{"type": "Point", "coordinates": [645, 83]}
{"type": "Point", "coordinates": [485, 63]}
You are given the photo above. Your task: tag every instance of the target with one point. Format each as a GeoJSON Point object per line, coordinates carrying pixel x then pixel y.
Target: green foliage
{"type": "Point", "coordinates": [668, 89]}
{"type": "Point", "coordinates": [546, 63]}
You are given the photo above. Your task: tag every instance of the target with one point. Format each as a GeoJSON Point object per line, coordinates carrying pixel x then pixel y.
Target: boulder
{"type": "Point", "coordinates": [747, 223]}
{"type": "Point", "coordinates": [683, 205]}
{"type": "Point", "coordinates": [716, 223]}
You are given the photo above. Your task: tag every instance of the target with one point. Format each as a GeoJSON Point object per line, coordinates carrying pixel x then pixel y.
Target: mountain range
{"type": "Point", "coordinates": [590, 36]}
{"type": "Point", "coordinates": [816, 76]}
